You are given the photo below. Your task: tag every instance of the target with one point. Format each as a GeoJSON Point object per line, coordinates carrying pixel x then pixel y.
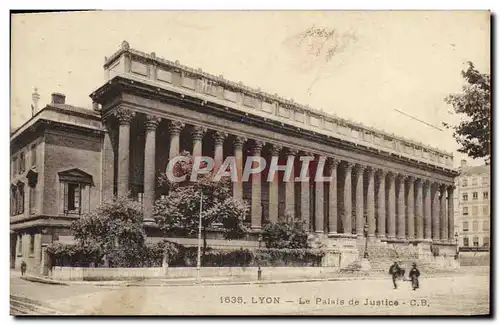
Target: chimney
{"type": "Point", "coordinates": [35, 96]}
{"type": "Point", "coordinates": [58, 98]}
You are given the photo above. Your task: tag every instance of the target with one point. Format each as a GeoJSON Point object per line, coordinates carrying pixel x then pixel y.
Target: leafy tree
{"type": "Point", "coordinates": [474, 105]}
{"type": "Point", "coordinates": [179, 211]}
{"type": "Point", "coordinates": [285, 233]}
{"type": "Point", "coordinates": [115, 228]}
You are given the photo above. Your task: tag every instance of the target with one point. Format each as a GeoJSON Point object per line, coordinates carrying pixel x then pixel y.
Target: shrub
{"type": "Point", "coordinates": [285, 234]}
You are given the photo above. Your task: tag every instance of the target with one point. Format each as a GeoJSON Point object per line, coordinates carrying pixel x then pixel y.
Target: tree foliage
{"type": "Point", "coordinates": [179, 210]}
{"type": "Point", "coordinates": [473, 104]}
{"type": "Point", "coordinates": [286, 233]}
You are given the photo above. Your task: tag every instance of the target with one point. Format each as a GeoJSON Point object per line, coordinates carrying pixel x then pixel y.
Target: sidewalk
{"type": "Point", "coordinates": [224, 281]}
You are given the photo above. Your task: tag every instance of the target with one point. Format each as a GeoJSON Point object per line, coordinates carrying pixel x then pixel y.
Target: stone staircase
{"type": "Point", "coordinates": [21, 306]}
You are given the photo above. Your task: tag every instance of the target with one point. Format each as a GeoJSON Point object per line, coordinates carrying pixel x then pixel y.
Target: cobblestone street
{"type": "Point", "coordinates": [458, 295]}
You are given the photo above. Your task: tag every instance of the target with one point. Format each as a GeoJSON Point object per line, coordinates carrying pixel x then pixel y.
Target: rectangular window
{"type": "Point", "coordinates": [32, 244]}
{"type": "Point", "coordinates": [465, 211]}
{"type": "Point", "coordinates": [465, 197]}
{"type": "Point", "coordinates": [486, 210]}
{"type": "Point", "coordinates": [466, 241]}
{"type": "Point", "coordinates": [475, 241]}
{"type": "Point", "coordinates": [14, 166]}
{"type": "Point", "coordinates": [20, 200]}
{"type": "Point", "coordinates": [486, 241]}
{"type": "Point", "coordinates": [485, 195]}
{"type": "Point", "coordinates": [19, 245]}
{"type": "Point", "coordinates": [32, 199]}
{"type": "Point", "coordinates": [474, 210]}
{"type": "Point", "coordinates": [486, 225]}
{"type": "Point", "coordinates": [464, 182]}
{"type": "Point", "coordinates": [474, 181]}
{"type": "Point", "coordinates": [474, 225]}
{"type": "Point", "coordinates": [465, 226]}
{"type": "Point", "coordinates": [474, 195]}
{"type": "Point", "coordinates": [72, 198]}
{"type": "Point", "coordinates": [33, 155]}
{"type": "Point", "coordinates": [485, 180]}
{"type": "Point", "coordinates": [22, 162]}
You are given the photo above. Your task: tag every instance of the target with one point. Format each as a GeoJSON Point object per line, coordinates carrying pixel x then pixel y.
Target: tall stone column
{"type": "Point", "coordinates": [175, 129]}
{"type": "Point", "coordinates": [391, 220]}
{"type": "Point", "coordinates": [198, 133]}
{"type": "Point", "coordinates": [435, 212]}
{"type": "Point", "coordinates": [256, 189]}
{"type": "Point", "coordinates": [273, 188]}
{"type": "Point", "coordinates": [401, 229]}
{"type": "Point", "coordinates": [427, 211]}
{"type": "Point", "coordinates": [124, 117]}
{"type": "Point", "coordinates": [360, 209]}
{"type": "Point", "coordinates": [419, 210]}
{"type": "Point", "coordinates": [219, 138]}
{"type": "Point", "coordinates": [347, 198]}
{"type": "Point", "coordinates": [451, 214]}
{"type": "Point", "coordinates": [370, 202]}
{"type": "Point", "coordinates": [149, 165]}
{"type": "Point", "coordinates": [290, 187]}
{"type": "Point", "coordinates": [381, 212]}
{"type": "Point", "coordinates": [443, 215]}
{"type": "Point", "coordinates": [332, 200]}
{"type": "Point", "coordinates": [410, 208]}
{"type": "Point", "coordinates": [305, 199]}
{"type": "Point", "coordinates": [319, 200]}
{"type": "Point", "coordinates": [238, 158]}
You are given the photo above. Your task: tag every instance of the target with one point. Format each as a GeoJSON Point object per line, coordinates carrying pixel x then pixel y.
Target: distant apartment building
{"type": "Point", "coordinates": [472, 207]}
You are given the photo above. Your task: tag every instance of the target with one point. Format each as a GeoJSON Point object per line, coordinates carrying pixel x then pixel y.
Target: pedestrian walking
{"type": "Point", "coordinates": [23, 268]}
{"type": "Point", "coordinates": [395, 272]}
{"type": "Point", "coordinates": [414, 274]}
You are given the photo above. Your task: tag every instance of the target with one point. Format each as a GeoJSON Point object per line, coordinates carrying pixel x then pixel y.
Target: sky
{"type": "Point", "coordinates": [367, 66]}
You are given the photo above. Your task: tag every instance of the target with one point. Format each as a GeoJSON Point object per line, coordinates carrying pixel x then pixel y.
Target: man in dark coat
{"type": "Point", "coordinates": [414, 274]}
{"type": "Point", "coordinates": [23, 268]}
{"type": "Point", "coordinates": [395, 271]}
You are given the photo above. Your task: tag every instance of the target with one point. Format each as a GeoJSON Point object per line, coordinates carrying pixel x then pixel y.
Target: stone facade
{"type": "Point", "coordinates": [389, 189]}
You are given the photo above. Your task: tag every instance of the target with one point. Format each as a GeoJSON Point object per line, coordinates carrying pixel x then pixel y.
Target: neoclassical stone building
{"type": "Point", "coordinates": [394, 190]}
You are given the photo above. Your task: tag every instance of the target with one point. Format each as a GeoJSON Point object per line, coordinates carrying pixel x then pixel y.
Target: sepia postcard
{"type": "Point", "coordinates": [250, 163]}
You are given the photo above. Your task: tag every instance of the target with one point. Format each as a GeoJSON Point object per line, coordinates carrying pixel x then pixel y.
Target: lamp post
{"type": "Point", "coordinates": [198, 260]}
{"type": "Point", "coordinates": [259, 271]}
{"type": "Point", "coordinates": [365, 230]}
{"type": "Point", "coordinates": [456, 244]}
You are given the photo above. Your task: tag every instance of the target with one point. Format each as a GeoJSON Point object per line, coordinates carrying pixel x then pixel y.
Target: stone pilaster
{"type": "Point", "coordinates": [401, 228]}
{"type": "Point", "coordinates": [427, 211]}
{"type": "Point", "coordinates": [273, 187]}
{"type": "Point", "coordinates": [443, 215]}
{"type": "Point", "coordinates": [381, 212]}
{"type": "Point", "coordinates": [219, 138]}
{"type": "Point", "coordinates": [175, 129]}
{"type": "Point", "coordinates": [332, 200]}
{"type": "Point", "coordinates": [347, 225]}
{"type": "Point", "coordinates": [198, 133]}
{"type": "Point", "coordinates": [124, 117]}
{"type": "Point", "coordinates": [370, 202]}
{"type": "Point", "coordinates": [238, 157]}
{"type": "Point", "coordinates": [419, 210]}
{"type": "Point", "coordinates": [360, 218]}
{"type": "Point", "coordinates": [150, 125]}
{"type": "Point", "coordinates": [391, 220]}
{"type": "Point", "coordinates": [451, 214]}
{"type": "Point", "coordinates": [256, 189]}
{"type": "Point", "coordinates": [290, 187]}
{"type": "Point", "coordinates": [410, 208]}
{"type": "Point", "coordinates": [435, 212]}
